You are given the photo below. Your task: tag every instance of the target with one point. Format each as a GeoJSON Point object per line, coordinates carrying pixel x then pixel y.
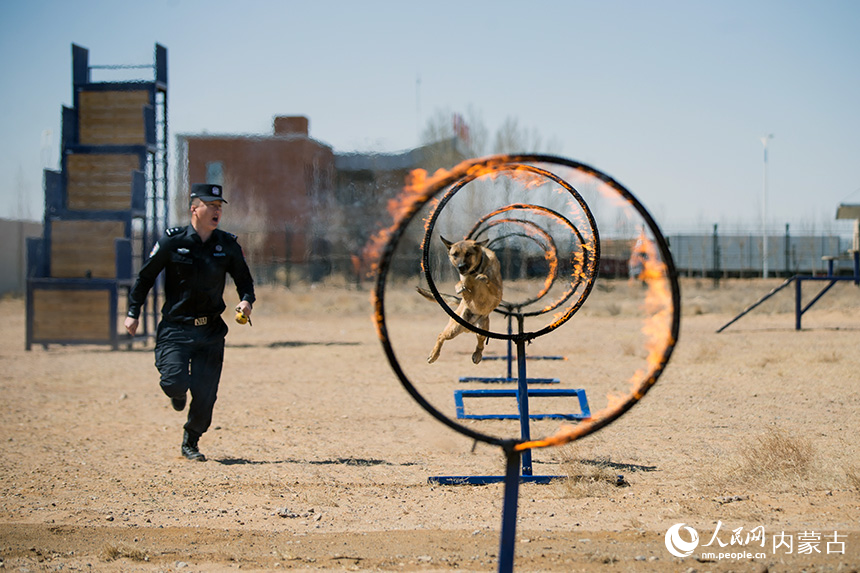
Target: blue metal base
{"type": "Point", "coordinates": [484, 480]}
{"type": "Point", "coordinates": [495, 357]}
{"type": "Point", "coordinates": [507, 380]}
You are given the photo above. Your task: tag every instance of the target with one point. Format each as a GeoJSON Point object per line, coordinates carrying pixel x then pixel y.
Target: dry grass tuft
{"type": "Point", "coordinates": [113, 552]}
{"type": "Point", "coordinates": [586, 478]}
{"type": "Point", "coordinates": [828, 357]}
{"type": "Point", "coordinates": [852, 475]}
{"type": "Point", "coordinates": [775, 460]}
{"type": "Point", "coordinates": [777, 455]}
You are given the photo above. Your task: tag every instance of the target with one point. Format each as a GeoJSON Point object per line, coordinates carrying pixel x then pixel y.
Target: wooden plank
{"type": "Point", "coordinates": [101, 198]}
{"type": "Point", "coordinates": [112, 134]}
{"type": "Point", "coordinates": [81, 247]}
{"type": "Point", "coordinates": [109, 99]}
{"type": "Point", "coordinates": [102, 162]}
{"type": "Point", "coordinates": [73, 315]}
{"type": "Point", "coordinates": [112, 117]}
{"type": "Point", "coordinates": [100, 181]}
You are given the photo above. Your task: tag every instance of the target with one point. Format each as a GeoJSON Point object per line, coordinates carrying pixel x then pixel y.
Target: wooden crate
{"type": "Point", "coordinates": [71, 315]}
{"type": "Point", "coordinates": [100, 181]}
{"type": "Point", "coordinates": [83, 248]}
{"type": "Point", "coordinates": [112, 117]}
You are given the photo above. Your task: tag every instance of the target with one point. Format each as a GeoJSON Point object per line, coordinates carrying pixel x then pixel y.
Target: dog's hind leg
{"type": "Point", "coordinates": [434, 354]}
{"type": "Point", "coordinates": [478, 354]}
{"type": "Point", "coordinates": [453, 329]}
{"type": "Point", "coordinates": [484, 324]}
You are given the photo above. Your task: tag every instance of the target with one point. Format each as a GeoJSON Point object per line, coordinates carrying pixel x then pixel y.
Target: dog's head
{"type": "Point", "coordinates": [466, 255]}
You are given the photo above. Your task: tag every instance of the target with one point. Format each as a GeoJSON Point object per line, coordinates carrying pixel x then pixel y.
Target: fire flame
{"type": "Point", "coordinates": [657, 329]}
{"type": "Point", "coordinates": [658, 301]}
{"type": "Point", "coordinates": [418, 185]}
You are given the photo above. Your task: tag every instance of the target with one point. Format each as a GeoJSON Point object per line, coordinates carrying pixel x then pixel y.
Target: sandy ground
{"type": "Point", "coordinates": [319, 460]}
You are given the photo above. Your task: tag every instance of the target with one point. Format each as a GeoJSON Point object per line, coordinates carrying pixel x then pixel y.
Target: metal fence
{"type": "Point", "coordinates": [714, 255]}
{"type": "Point", "coordinates": [743, 255]}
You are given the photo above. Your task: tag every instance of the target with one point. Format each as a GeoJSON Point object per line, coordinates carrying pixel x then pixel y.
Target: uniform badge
{"type": "Point", "coordinates": [182, 251]}
{"type": "Point", "coordinates": [218, 248]}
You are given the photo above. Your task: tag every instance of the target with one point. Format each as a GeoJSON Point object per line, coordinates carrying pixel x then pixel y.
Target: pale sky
{"type": "Point", "coordinates": [671, 98]}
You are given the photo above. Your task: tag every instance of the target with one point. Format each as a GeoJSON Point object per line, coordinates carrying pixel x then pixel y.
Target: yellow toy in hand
{"type": "Point", "coordinates": [241, 318]}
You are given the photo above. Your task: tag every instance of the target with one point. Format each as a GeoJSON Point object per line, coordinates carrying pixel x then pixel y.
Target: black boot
{"type": "Point", "coordinates": [189, 447]}
{"type": "Point", "coordinates": [178, 403]}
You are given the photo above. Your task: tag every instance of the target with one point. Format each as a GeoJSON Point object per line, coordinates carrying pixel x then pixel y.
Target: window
{"type": "Point", "coordinates": [215, 172]}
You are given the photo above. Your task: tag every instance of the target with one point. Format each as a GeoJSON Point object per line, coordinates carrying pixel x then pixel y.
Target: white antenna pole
{"type": "Point", "coordinates": [764, 262]}
{"type": "Point", "coordinates": [418, 109]}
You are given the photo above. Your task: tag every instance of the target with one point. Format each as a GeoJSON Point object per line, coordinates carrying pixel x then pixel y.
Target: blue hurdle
{"type": "Point", "coordinates": [522, 393]}
{"type": "Point", "coordinates": [831, 278]}
{"type": "Point", "coordinates": [584, 413]}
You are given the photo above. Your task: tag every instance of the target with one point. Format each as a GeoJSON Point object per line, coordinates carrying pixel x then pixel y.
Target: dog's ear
{"type": "Point", "coordinates": [483, 243]}
{"type": "Point", "coordinates": [446, 242]}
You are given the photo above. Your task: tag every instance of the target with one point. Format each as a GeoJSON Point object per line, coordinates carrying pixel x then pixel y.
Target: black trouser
{"type": "Point", "coordinates": [189, 358]}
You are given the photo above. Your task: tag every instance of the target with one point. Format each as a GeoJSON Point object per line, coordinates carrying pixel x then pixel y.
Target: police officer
{"type": "Point", "coordinates": [189, 345]}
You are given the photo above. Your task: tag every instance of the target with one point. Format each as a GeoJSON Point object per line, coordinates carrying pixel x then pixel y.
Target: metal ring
{"type": "Point", "coordinates": [475, 167]}
{"type": "Point", "coordinates": [590, 271]}
{"type": "Point", "coordinates": [480, 226]}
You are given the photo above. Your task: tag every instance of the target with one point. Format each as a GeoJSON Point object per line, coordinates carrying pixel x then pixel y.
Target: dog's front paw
{"type": "Point", "coordinates": [432, 358]}
{"type": "Point", "coordinates": [459, 288]}
{"type": "Point", "coordinates": [477, 356]}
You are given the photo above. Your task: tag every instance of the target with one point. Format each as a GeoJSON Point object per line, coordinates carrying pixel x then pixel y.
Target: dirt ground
{"type": "Point", "coordinates": [319, 460]}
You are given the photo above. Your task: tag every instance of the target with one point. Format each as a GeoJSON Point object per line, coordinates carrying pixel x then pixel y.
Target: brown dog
{"type": "Point", "coordinates": [480, 286]}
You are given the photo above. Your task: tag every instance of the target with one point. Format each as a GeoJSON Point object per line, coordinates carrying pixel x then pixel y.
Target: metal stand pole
{"type": "Point", "coordinates": [761, 300]}
{"type": "Point", "coordinates": [523, 399]}
{"type": "Point", "coordinates": [509, 512]}
{"type": "Point", "coordinates": [857, 264]}
{"type": "Point", "coordinates": [510, 346]}
{"type": "Point", "coordinates": [798, 293]}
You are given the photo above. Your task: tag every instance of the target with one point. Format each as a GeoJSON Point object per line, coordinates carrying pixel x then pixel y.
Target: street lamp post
{"type": "Point", "coordinates": [764, 262]}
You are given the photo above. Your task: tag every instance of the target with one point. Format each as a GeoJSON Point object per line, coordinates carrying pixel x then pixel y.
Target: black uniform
{"type": "Point", "coordinates": [189, 347]}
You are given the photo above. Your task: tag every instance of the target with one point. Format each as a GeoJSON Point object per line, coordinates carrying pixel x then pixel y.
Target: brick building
{"type": "Point", "coordinates": [293, 201]}
{"type": "Point", "coordinates": [276, 186]}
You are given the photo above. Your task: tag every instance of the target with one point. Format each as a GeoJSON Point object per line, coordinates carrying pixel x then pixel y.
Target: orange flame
{"type": "Point", "coordinates": [657, 329]}
{"type": "Point", "coordinates": [418, 184]}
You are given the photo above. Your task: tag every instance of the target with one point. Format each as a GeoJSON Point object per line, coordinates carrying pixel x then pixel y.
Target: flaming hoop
{"type": "Point", "coordinates": [659, 275]}
{"type": "Point", "coordinates": [536, 174]}
{"type": "Point", "coordinates": [537, 234]}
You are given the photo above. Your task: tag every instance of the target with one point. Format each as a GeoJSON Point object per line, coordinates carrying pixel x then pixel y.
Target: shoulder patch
{"type": "Point", "coordinates": [173, 231]}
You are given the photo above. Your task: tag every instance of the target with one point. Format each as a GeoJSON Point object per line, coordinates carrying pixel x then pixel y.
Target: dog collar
{"type": "Point", "coordinates": [480, 262]}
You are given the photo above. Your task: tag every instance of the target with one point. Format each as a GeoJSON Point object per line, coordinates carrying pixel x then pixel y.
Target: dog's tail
{"type": "Point", "coordinates": [425, 293]}
{"type": "Point", "coordinates": [449, 298]}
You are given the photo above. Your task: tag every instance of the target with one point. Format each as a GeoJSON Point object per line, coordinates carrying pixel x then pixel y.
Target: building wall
{"type": "Point", "coordinates": [276, 186]}
{"type": "Point", "coordinates": [296, 205]}
{"type": "Point", "coordinates": [13, 255]}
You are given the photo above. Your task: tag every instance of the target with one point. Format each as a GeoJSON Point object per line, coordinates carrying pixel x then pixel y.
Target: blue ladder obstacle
{"type": "Point", "coordinates": [799, 308]}
{"type": "Point", "coordinates": [584, 413]}
{"type": "Point", "coordinates": [523, 471]}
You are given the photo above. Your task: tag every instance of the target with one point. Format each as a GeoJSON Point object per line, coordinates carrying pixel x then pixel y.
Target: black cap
{"type": "Point", "coordinates": [207, 192]}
